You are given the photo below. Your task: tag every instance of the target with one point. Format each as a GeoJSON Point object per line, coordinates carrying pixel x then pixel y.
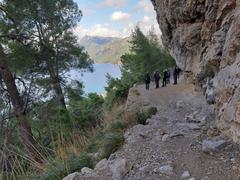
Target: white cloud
{"type": "Point", "coordinates": [106, 30]}
{"type": "Point", "coordinates": [120, 16]}
{"type": "Point", "coordinates": [80, 31]}
{"type": "Point", "coordinates": [144, 5]}
{"type": "Point", "coordinates": [147, 23]}
{"type": "Point", "coordinates": [97, 30]}
{"type": "Point", "coordinates": [127, 30]}
{"type": "Point", "coordinates": [114, 3]}
{"type": "Point", "coordinates": [103, 30]}
{"type": "Point", "coordinates": [146, 19]}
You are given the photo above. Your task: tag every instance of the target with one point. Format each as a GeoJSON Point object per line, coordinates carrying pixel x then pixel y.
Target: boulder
{"type": "Point", "coordinates": [102, 165]}
{"type": "Point", "coordinates": [165, 137]}
{"type": "Point", "coordinates": [185, 175]}
{"type": "Point", "coordinates": [179, 104]}
{"type": "Point", "coordinates": [87, 171]}
{"type": "Point", "coordinates": [213, 145]}
{"type": "Point", "coordinates": [166, 169]}
{"type": "Point", "coordinates": [73, 176]}
{"type": "Point", "coordinates": [119, 168]}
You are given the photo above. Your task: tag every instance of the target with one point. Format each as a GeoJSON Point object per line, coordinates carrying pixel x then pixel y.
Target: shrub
{"type": "Point", "coordinates": [143, 116]}
{"type": "Point", "coordinates": [77, 163]}
{"type": "Point", "coordinates": [111, 142]}
{"type": "Point", "coordinates": [61, 168]}
{"type": "Point", "coordinates": [135, 91]}
{"type": "Point", "coordinates": [116, 126]}
{"type": "Point", "coordinates": [87, 111]}
{"type": "Point", "coordinates": [152, 111]}
{"type": "Point", "coordinates": [56, 170]}
{"type": "Point", "coordinates": [93, 146]}
{"type": "Point", "coordinates": [117, 91]}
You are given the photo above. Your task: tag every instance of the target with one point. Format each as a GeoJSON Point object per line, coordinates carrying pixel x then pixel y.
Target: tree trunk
{"type": "Point", "coordinates": [19, 108]}
{"type": "Point", "coordinates": [58, 91]}
{"type": "Point", "coordinates": [56, 85]}
{"type": "Point", "coordinates": [64, 114]}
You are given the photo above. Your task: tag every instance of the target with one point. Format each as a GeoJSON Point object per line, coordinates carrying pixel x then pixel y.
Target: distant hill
{"type": "Point", "coordinates": [105, 49]}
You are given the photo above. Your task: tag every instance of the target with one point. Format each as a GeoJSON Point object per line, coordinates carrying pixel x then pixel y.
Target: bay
{"type": "Point", "coordinates": [94, 82]}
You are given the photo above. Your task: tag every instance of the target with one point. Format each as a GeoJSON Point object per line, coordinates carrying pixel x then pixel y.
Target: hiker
{"type": "Point", "coordinates": [175, 75]}
{"type": "Point", "coordinates": [168, 76]}
{"type": "Point", "coordinates": [164, 82]}
{"type": "Point", "coordinates": [147, 80]}
{"type": "Point", "coordinates": [156, 77]}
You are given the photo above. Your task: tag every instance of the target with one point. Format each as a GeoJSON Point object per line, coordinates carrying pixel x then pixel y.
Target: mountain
{"type": "Point", "coordinates": [105, 49]}
{"type": "Point", "coordinates": [97, 40]}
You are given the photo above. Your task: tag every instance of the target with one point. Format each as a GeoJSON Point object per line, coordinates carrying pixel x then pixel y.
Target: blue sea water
{"type": "Point", "coordinates": [96, 81]}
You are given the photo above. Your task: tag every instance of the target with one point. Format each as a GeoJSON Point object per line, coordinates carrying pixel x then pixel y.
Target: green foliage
{"type": "Point", "coordinates": [40, 50]}
{"type": "Point", "coordinates": [93, 146]}
{"type": "Point", "coordinates": [108, 140]}
{"type": "Point", "coordinates": [111, 142]}
{"type": "Point", "coordinates": [44, 47]}
{"type": "Point", "coordinates": [146, 55]}
{"type": "Point", "coordinates": [60, 168]}
{"type": "Point", "coordinates": [56, 171]}
{"type": "Point", "coordinates": [116, 91]}
{"type": "Point", "coordinates": [152, 111]}
{"type": "Point", "coordinates": [143, 116]}
{"type": "Point", "coordinates": [86, 112]}
{"type": "Point", "coordinates": [118, 126]}
{"type": "Point", "coordinates": [77, 163]}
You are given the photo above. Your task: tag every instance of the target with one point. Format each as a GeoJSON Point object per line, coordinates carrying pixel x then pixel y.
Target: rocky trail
{"type": "Point", "coordinates": [180, 142]}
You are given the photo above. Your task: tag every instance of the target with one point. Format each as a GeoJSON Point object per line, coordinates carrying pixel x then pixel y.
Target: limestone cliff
{"type": "Point", "coordinates": [204, 38]}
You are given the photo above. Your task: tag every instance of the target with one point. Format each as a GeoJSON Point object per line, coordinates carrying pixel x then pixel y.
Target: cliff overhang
{"type": "Point", "coordinates": [204, 38]}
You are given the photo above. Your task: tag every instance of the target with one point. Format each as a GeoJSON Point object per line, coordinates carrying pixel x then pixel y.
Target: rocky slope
{"type": "Point", "coordinates": [204, 38]}
{"type": "Point", "coordinates": [179, 142]}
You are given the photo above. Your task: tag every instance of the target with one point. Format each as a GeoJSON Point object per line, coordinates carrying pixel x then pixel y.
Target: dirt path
{"type": "Point", "coordinates": [173, 139]}
{"type": "Point", "coordinates": [171, 145]}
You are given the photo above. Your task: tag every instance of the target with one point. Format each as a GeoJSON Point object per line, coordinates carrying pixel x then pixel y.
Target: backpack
{"type": "Point", "coordinates": [147, 78]}
{"type": "Point", "coordinates": [157, 76]}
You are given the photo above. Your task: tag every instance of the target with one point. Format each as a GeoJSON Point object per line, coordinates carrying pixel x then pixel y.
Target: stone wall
{"type": "Point", "coordinates": [204, 38]}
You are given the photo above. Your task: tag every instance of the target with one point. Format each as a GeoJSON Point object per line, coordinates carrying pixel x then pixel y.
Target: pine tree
{"type": "Point", "coordinates": [146, 55]}
{"type": "Point", "coordinates": [36, 42]}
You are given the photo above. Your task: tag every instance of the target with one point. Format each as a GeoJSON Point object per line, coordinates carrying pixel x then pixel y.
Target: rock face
{"type": "Point", "coordinates": [204, 38]}
{"type": "Point", "coordinates": [104, 170]}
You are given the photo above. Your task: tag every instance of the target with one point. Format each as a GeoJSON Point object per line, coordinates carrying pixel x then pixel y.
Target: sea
{"type": "Point", "coordinates": [96, 81]}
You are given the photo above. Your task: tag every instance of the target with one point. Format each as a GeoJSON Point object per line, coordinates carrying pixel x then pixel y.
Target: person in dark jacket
{"type": "Point", "coordinates": [178, 72]}
{"type": "Point", "coordinates": [156, 77]}
{"type": "Point", "coordinates": [164, 82]}
{"type": "Point", "coordinates": [168, 76]}
{"type": "Point", "coordinates": [175, 75]}
{"type": "Point", "coordinates": [147, 80]}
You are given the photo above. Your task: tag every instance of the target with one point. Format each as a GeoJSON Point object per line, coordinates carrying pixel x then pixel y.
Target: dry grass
{"type": "Point", "coordinates": [111, 130]}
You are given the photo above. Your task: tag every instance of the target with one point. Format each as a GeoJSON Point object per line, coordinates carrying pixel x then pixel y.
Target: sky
{"type": "Point", "coordinates": [115, 18]}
